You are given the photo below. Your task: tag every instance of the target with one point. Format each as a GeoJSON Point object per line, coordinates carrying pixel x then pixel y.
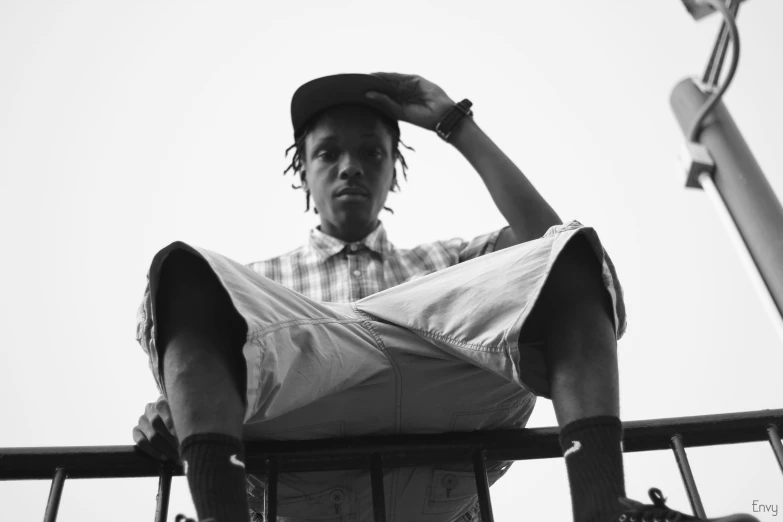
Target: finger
{"type": "Point", "coordinates": [404, 86]}
{"type": "Point", "coordinates": [399, 81]}
{"type": "Point", "coordinates": [391, 77]}
{"type": "Point", "coordinates": [385, 75]}
{"type": "Point", "coordinates": [161, 443]}
{"type": "Point", "coordinates": [164, 447]}
{"type": "Point", "coordinates": [149, 410]}
{"type": "Point", "coordinates": [387, 102]}
{"type": "Point", "coordinates": [162, 407]}
{"type": "Point", "coordinates": [159, 415]}
{"type": "Point", "coordinates": [157, 440]}
{"type": "Point", "coordinates": [160, 429]}
{"type": "Point", "coordinates": [144, 445]}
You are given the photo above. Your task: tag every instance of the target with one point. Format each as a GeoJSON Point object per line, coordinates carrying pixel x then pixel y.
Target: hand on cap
{"type": "Point", "coordinates": [415, 100]}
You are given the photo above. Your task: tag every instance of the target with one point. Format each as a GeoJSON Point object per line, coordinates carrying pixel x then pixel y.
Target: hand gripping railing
{"type": "Point", "coordinates": [270, 458]}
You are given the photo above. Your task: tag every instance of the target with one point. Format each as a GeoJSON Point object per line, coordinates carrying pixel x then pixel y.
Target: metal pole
{"type": "Point", "coordinates": [164, 493]}
{"type": "Point", "coordinates": [708, 185]}
{"type": "Point", "coordinates": [55, 493]}
{"type": "Point", "coordinates": [482, 484]}
{"type": "Point", "coordinates": [745, 191]}
{"type": "Point", "coordinates": [270, 493]}
{"type": "Point", "coordinates": [376, 477]}
{"type": "Point", "coordinates": [687, 476]}
{"type": "Point", "coordinates": [774, 441]}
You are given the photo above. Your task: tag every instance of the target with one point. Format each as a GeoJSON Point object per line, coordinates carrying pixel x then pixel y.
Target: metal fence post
{"type": "Point", "coordinates": [482, 484]}
{"type": "Point", "coordinates": [164, 492]}
{"type": "Point", "coordinates": [55, 493]}
{"type": "Point", "coordinates": [687, 476]}
{"type": "Point", "coordinates": [376, 479]}
{"type": "Point", "coordinates": [270, 493]}
{"type": "Point", "coordinates": [777, 447]}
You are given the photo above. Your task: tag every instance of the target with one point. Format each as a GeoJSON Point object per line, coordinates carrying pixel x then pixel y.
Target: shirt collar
{"type": "Point", "coordinates": [326, 246]}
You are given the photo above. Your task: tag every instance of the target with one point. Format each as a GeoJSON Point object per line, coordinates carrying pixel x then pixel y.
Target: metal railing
{"type": "Point", "coordinates": [270, 458]}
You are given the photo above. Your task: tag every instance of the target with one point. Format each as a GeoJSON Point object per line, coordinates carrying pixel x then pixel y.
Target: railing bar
{"type": "Point", "coordinates": [376, 477]}
{"type": "Point", "coordinates": [777, 447]}
{"type": "Point", "coordinates": [687, 476]}
{"type": "Point", "coordinates": [409, 450]}
{"type": "Point", "coordinates": [270, 494]}
{"type": "Point", "coordinates": [482, 484]}
{"type": "Point", "coordinates": [164, 493]}
{"type": "Point", "coordinates": [54, 495]}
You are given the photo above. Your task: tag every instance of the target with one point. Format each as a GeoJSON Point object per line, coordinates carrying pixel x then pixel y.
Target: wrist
{"type": "Point", "coordinates": [464, 133]}
{"type": "Point", "coordinates": [452, 118]}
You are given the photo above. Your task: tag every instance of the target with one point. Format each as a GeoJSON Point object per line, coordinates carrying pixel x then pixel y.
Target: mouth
{"type": "Point", "coordinates": [351, 193]}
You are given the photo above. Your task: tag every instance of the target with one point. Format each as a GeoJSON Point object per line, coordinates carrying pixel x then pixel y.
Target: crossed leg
{"type": "Point", "coordinates": [201, 336]}
{"type": "Point", "coordinates": [574, 318]}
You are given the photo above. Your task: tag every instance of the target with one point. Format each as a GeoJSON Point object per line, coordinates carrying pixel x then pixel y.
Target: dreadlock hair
{"type": "Point", "coordinates": [299, 145]}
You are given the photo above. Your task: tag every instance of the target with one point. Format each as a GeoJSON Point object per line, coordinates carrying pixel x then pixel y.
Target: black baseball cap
{"type": "Point", "coordinates": [339, 89]}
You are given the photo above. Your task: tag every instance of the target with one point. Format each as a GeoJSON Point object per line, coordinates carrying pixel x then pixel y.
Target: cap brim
{"type": "Point", "coordinates": [339, 89]}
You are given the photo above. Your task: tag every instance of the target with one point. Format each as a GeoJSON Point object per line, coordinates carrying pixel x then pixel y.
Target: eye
{"type": "Point", "coordinates": [327, 154]}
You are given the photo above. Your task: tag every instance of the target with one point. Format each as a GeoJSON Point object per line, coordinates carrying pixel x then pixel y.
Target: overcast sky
{"type": "Point", "coordinates": [125, 126]}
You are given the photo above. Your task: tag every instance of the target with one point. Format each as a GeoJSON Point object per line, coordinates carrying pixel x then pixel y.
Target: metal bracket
{"type": "Point", "coordinates": [694, 159]}
{"type": "Point", "coordinates": [698, 9]}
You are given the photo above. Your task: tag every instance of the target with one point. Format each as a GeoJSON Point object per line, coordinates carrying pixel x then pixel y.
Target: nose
{"type": "Point", "coordinates": [350, 167]}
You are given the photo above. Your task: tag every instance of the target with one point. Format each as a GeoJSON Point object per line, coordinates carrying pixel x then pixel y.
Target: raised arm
{"type": "Point", "coordinates": [422, 103]}
{"type": "Point", "coordinates": [527, 212]}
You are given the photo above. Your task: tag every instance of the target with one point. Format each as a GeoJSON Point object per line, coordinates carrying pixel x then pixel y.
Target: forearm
{"type": "Point", "coordinates": [528, 214]}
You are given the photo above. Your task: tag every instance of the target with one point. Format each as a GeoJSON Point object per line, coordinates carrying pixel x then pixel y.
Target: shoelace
{"type": "Point", "coordinates": [657, 512]}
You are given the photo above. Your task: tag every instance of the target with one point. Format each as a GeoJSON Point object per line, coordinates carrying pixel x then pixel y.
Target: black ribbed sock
{"type": "Point", "coordinates": [594, 460]}
{"type": "Point", "coordinates": [214, 465]}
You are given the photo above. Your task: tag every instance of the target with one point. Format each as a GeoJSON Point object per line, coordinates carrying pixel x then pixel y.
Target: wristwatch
{"type": "Point", "coordinates": [446, 126]}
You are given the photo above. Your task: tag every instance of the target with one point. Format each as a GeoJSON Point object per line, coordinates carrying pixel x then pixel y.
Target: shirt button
{"type": "Point", "coordinates": [357, 273]}
{"type": "Point", "coordinates": [353, 248]}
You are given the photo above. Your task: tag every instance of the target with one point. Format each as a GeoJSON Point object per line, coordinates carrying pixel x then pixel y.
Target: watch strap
{"type": "Point", "coordinates": [449, 122]}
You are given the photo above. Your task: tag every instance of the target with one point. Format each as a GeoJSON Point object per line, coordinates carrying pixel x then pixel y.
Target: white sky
{"type": "Point", "coordinates": [128, 125]}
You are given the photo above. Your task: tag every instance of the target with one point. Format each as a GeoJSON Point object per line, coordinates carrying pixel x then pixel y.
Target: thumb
{"type": "Point", "coordinates": [386, 101]}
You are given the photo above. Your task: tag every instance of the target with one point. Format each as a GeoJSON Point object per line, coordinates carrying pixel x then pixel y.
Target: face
{"type": "Point", "coordinates": [349, 148]}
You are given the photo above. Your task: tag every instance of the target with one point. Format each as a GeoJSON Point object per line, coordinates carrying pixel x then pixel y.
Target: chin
{"type": "Point", "coordinates": [352, 215]}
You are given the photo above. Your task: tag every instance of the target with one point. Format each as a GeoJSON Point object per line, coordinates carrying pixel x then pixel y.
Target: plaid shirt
{"type": "Point", "coordinates": [331, 270]}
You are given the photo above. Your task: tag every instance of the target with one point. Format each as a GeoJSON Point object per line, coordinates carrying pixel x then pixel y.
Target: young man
{"type": "Point", "coordinates": [349, 335]}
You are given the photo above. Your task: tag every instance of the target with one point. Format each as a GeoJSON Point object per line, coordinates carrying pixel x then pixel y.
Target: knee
{"type": "Point", "coordinates": [190, 295]}
{"type": "Point", "coordinates": [577, 270]}
{"type": "Point", "coordinates": [184, 273]}
{"type": "Point", "coordinates": [576, 280]}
